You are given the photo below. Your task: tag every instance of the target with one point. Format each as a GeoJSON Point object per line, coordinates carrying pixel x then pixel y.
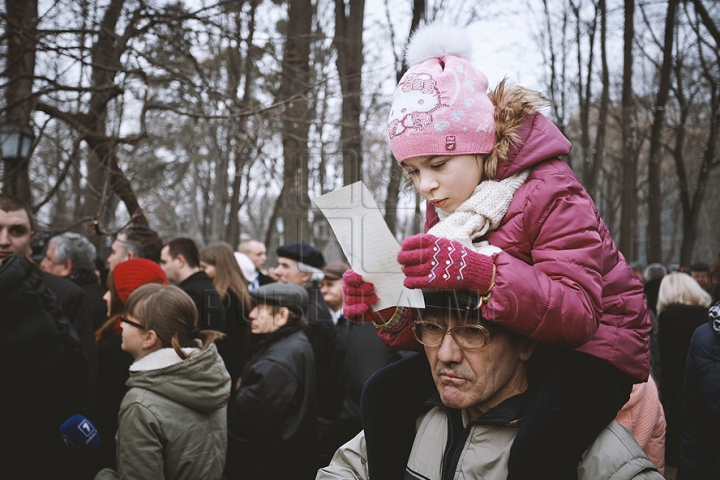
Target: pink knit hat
{"type": "Point", "coordinates": [440, 106]}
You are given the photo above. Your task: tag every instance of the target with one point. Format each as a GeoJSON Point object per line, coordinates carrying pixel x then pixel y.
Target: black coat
{"type": "Point", "coordinates": [699, 456]}
{"type": "Point", "coordinates": [113, 371]}
{"type": "Point", "coordinates": [235, 348]}
{"type": "Point", "coordinates": [97, 308]}
{"type": "Point", "coordinates": [271, 418]}
{"type": "Point", "coordinates": [43, 371]}
{"type": "Point", "coordinates": [75, 305]}
{"type": "Point", "coordinates": [676, 326]}
{"type": "Point", "coordinates": [211, 310]}
{"type": "Point", "coordinates": [264, 279]}
{"type": "Point", "coordinates": [358, 354]}
{"type": "Point", "coordinates": [321, 333]}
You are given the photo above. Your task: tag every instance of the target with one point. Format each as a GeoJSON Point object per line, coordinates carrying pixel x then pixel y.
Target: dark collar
{"type": "Point", "coordinates": [507, 412]}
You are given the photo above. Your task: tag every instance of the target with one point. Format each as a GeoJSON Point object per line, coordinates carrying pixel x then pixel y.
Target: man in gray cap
{"type": "Point", "coordinates": [272, 415]}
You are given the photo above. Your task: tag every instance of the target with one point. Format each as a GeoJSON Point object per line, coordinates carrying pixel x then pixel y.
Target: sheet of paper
{"type": "Point", "coordinates": [368, 244]}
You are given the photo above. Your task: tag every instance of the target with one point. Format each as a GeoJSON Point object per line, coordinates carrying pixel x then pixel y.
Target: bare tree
{"type": "Point", "coordinates": [21, 19]}
{"type": "Point", "coordinates": [655, 253]}
{"type": "Point", "coordinates": [629, 148]}
{"type": "Point", "coordinates": [294, 203]}
{"type": "Point", "coordinates": [349, 44]}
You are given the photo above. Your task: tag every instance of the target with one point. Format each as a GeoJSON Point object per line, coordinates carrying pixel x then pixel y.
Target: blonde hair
{"type": "Point", "coordinates": [683, 289]}
{"type": "Point", "coordinates": [171, 314]}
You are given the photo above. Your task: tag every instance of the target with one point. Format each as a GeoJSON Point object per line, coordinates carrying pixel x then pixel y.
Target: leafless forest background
{"type": "Point", "coordinates": [219, 119]}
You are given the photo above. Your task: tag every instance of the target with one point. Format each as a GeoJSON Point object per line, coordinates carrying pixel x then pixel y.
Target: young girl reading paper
{"type": "Point", "coordinates": [489, 168]}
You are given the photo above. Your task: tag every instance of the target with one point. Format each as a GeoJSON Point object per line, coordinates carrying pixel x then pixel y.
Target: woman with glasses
{"type": "Point", "coordinates": [172, 421]}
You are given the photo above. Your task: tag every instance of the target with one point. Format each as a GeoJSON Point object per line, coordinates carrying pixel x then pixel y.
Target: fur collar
{"type": "Point", "coordinates": [165, 357]}
{"type": "Point", "coordinates": [513, 104]}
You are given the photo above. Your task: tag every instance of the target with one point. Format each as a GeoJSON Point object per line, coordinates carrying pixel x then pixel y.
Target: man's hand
{"type": "Point", "coordinates": [436, 263]}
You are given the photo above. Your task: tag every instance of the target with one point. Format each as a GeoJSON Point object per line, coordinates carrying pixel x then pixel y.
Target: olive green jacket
{"type": "Point", "coordinates": [172, 421]}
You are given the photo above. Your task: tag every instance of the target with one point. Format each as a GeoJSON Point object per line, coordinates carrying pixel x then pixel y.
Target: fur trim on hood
{"type": "Point", "coordinates": [513, 104]}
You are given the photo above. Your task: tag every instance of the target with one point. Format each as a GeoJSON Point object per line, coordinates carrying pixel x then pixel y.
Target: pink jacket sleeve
{"type": "Point", "coordinates": [548, 283]}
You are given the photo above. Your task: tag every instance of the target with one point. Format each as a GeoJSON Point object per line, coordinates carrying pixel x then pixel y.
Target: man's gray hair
{"type": "Point", "coordinates": [76, 248]}
{"type": "Point", "coordinates": [317, 274]}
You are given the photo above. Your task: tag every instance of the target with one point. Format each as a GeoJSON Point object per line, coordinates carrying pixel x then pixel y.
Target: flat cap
{"type": "Point", "coordinates": [287, 295]}
{"type": "Point", "coordinates": [335, 270]}
{"type": "Point", "coordinates": [302, 252]}
{"type": "Point", "coordinates": [461, 300]}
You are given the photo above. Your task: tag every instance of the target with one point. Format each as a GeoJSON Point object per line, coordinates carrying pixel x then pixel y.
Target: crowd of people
{"type": "Point", "coordinates": [538, 354]}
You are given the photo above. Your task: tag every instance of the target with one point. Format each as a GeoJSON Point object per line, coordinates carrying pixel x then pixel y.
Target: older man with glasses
{"type": "Point", "coordinates": [481, 378]}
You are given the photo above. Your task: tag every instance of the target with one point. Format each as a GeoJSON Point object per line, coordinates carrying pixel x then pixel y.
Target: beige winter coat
{"type": "Point", "coordinates": [614, 454]}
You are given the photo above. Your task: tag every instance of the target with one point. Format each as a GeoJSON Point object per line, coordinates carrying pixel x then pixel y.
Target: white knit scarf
{"type": "Point", "coordinates": [480, 213]}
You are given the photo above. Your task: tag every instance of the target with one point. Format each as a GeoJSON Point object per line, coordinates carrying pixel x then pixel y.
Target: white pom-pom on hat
{"type": "Point", "coordinates": [436, 40]}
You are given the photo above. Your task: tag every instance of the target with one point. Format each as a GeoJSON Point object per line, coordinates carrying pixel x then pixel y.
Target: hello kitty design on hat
{"type": "Point", "coordinates": [440, 106]}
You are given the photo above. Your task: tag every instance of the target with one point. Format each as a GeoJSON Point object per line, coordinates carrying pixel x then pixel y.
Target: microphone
{"type": "Point", "coordinates": [79, 433]}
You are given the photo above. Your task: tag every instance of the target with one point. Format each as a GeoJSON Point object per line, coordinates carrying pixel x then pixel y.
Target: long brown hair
{"type": "Point", "coordinates": [228, 275]}
{"type": "Point", "coordinates": [171, 313]}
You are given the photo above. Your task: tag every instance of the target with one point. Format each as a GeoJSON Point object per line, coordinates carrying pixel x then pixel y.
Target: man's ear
{"type": "Point", "coordinates": [306, 276]}
{"type": "Point", "coordinates": [181, 258]}
{"type": "Point", "coordinates": [527, 349]}
{"type": "Point", "coordinates": [282, 317]}
{"type": "Point", "coordinates": [130, 254]}
{"type": "Point", "coordinates": [66, 269]}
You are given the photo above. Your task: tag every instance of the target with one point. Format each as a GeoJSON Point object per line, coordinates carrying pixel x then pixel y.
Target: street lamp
{"type": "Point", "coordinates": [15, 142]}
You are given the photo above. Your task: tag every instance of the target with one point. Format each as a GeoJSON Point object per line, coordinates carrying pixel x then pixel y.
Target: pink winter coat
{"type": "Point", "coordinates": [560, 278]}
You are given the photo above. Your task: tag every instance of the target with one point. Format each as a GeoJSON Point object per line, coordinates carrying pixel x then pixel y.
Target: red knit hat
{"type": "Point", "coordinates": [134, 273]}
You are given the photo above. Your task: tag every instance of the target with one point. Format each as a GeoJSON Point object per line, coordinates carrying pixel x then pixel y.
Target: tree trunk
{"type": "Point", "coordinates": [396, 174]}
{"type": "Point", "coordinates": [628, 215]}
{"type": "Point", "coordinates": [349, 44]}
{"type": "Point", "coordinates": [294, 201]}
{"type": "Point", "coordinates": [599, 150]}
{"type": "Point", "coordinates": [232, 232]}
{"type": "Point", "coordinates": [655, 194]}
{"type": "Point", "coordinates": [22, 20]}
{"type": "Point", "coordinates": [691, 217]}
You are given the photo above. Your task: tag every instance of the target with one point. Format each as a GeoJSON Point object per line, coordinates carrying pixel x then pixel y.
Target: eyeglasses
{"type": "Point", "coordinates": [130, 322]}
{"type": "Point", "coordinates": [467, 336]}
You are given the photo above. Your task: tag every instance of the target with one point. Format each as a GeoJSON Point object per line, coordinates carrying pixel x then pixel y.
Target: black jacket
{"type": "Point", "coordinates": [264, 279]}
{"type": "Point", "coordinates": [43, 371]}
{"type": "Point", "coordinates": [235, 347]}
{"type": "Point", "coordinates": [676, 325]}
{"type": "Point", "coordinates": [74, 303]}
{"type": "Point", "coordinates": [211, 310]}
{"type": "Point", "coordinates": [97, 308]}
{"type": "Point", "coordinates": [113, 371]}
{"type": "Point", "coordinates": [699, 456]}
{"type": "Point", "coordinates": [271, 418]}
{"type": "Point", "coordinates": [358, 354]}
{"type": "Point", "coordinates": [321, 333]}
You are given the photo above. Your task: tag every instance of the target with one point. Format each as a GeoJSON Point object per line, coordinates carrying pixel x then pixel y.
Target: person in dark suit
{"type": "Point", "coordinates": [180, 259]}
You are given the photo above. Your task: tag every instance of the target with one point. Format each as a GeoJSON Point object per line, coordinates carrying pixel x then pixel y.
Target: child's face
{"type": "Point", "coordinates": [446, 181]}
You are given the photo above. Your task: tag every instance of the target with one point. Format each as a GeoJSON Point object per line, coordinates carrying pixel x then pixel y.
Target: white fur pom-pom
{"type": "Point", "coordinates": [436, 40]}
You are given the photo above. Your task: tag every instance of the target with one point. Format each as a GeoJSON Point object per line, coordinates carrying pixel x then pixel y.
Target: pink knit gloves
{"type": "Point", "coordinates": [436, 263]}
{"type": "Point", "coordinates": [359, 296]}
